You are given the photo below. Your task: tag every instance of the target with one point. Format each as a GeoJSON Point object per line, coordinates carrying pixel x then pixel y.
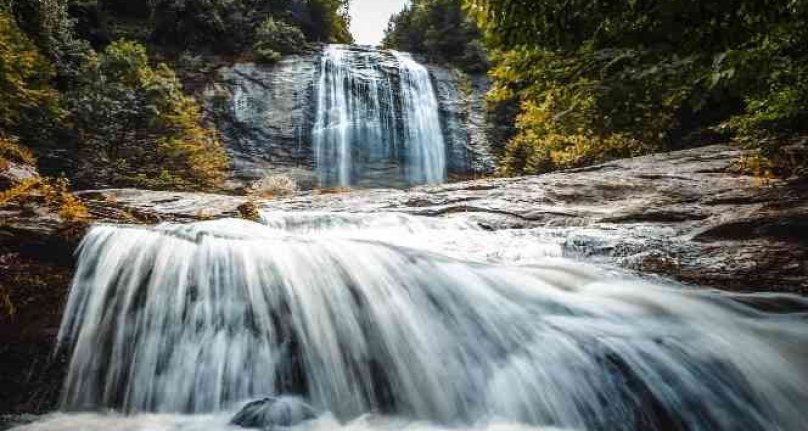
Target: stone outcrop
{"type": "Point", "coordinates": [266, 116]}
{"type": "Point", "coordinates": [461, 98]}
{"type": "Point", "coordinates": [273, 412]}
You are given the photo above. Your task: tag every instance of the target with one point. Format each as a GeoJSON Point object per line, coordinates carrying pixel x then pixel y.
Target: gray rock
{"type": "Point", "coordinates": [266, 115]}
{"type": "Point", "coordinates": [683, 214]}
{"type": "Point", "coordinates": [461, 98]}
{"type": "Point", "coordinates": [14, 173]}
{"type": "Point", "coordinates": [271, 412]}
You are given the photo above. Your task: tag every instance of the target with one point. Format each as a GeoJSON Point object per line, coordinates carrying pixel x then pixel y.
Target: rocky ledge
{"type": "Point", "coordinates": [687, 214]}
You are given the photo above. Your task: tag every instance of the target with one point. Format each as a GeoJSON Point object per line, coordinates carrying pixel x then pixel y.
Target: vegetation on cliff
{"type": "Point", "coordinates": [599, 80]}
{"type": "Point", "coordinates": [89, 86]}
{"type": "Point", "coordinates": [139, 129]}
{"type": "Point", "coordinates": [439, 30]}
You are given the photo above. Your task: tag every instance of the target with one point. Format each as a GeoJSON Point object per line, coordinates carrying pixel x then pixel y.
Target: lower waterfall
{"type": "Point", "coordinates": [390, 321]}
{"type": "Point", "coordinates": [377, 120]}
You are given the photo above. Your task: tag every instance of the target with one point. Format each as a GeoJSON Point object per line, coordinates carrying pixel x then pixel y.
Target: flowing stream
{"type": "Point", "coordinates": [377, 120]}
{"type": "Point", "coordinates": [384, 321]}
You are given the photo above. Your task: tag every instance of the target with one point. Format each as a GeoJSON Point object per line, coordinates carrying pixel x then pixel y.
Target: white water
{"type": "Point", "coordinates": [388, 321]}
{"type": "Point", "coordinates": [377, 120]}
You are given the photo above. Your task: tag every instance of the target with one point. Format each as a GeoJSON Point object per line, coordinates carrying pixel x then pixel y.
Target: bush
{"type": "Point", "coordinates": [52, 194]}
{"type": "Point", "coordinates": [11, 151]}
{"type": "Point", "coordinates": [233, 26]}
{"type": "Point", "coordinates": [250, 211]}
{"type": "Point", "coordinates": [274, 185]}
{"type": "Point", "coordinates": [274, 39]}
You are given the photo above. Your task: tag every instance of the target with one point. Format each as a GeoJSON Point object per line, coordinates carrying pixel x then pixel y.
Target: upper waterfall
{"type": "Point", "coordinates": [377, 120]}
{"type": "Point", "coordinates": [352, 116]}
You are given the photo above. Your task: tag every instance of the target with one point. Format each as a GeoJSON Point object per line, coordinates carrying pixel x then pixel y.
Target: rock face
{"type": "Point", "coordinates": [14, 173]}
{"type": "Point", "coordinates": [461, 98]}
{"type": "Point", "coordinates": [267, 114]}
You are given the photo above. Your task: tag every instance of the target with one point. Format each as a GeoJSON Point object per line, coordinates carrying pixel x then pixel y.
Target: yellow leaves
{"type": "Point", "coordinates": [157, 139]}
{"type": "Point", "coordinates": [557, 131]}
{"type": "Point", "coordinates": [24, 77]}
{"type": "Point", "coordinates": [11, 151]}
{"type": "Point", "coordinates": [72, 209]}
{"type": "Point", "coordinates": [52, 194]}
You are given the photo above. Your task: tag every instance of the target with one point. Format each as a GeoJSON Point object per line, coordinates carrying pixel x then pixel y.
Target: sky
{"type": "Point", "coordinates": [369, 19]}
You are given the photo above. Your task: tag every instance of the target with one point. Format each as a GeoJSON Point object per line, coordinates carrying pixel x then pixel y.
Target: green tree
{"type": "Point", "coordinates": [440, 30]}
{"type": "Point", "coordinates": [275, 39]}
{"type": "Point", "coordinates": [29, 106]}
{"type": "Point", "coordinates": [51, 28]}
{"type": "Point", "coordinates": [597, 80]}
{"type": "Point", "coordinates": [233, 26]}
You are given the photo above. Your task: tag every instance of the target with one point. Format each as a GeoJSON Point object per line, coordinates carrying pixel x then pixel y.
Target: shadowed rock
{"type": "Point", "coordinates": [271, 412]}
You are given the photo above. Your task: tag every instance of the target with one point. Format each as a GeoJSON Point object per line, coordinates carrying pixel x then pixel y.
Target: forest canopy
{"type": "Point", "coordinates": [596, 80]}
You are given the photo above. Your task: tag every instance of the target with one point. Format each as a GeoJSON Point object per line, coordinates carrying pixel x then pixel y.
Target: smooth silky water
{"type": "Point", "coordinates": [388, 321]}
{"type": "Point", "coordinates": [377, 121]}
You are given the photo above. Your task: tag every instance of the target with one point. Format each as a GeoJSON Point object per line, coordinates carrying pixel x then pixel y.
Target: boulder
{"type": "Point", "coordinates": [271, 412]}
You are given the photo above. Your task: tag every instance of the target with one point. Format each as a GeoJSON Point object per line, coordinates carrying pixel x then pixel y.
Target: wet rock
{"type": "Point", "coordinates": [684, 214]}
{"type": "Point", "coordinates": [266, 116]}
{"type": "Point", "coordinates": [272, 412]}
{"type": "Point", "coordinates": [150, 206]}
{"type": "Point", "coordinates": [461, 100]}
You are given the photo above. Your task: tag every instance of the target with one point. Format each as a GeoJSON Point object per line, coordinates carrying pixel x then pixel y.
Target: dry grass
{"type": "Point", "coordinates": [334, 190]}
{"type": "Point", "coordinates": [53, 194]}
{"type": "Point", "coordinates": [11, 151]}
{"type": "Point", "coordinates": [274, 185]}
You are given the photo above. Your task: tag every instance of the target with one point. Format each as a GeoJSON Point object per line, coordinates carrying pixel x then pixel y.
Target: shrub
{"type": "Point", "coordinates": [274, 39]}
{"type": "Point", "coordinates": [11, 151]}
{"type": "Point", "coordinates": [598, 80]}
{"type": "Point", "coordinates": [52, 194]}
{"type": "Point", "coordinates": [28, 103]}
{"type": "Point", "coordinates": [274, 185]}
{"type": "Point", "coordinates": [250, 211]}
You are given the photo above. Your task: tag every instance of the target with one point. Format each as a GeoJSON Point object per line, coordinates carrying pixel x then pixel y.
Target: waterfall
{"type": "Point", "coordinates": [418, 320]}
{"type": "Point", "coordinates": [377, 120]}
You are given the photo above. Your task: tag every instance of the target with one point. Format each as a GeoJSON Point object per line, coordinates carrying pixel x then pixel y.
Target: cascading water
{"type": "Point", "coordinates": [377, 120]}
{"type": "Point", "coordinates": [387, 321]}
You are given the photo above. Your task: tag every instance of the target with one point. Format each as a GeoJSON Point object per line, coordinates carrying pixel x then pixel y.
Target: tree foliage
{"type": "Point", "coordinates": [275, 39]}
{"type": "Point", "coordinates": [110, 118]}
{"type": "Point", "coordinates": [135, 120]}
{"type": "Point", "coordinates": [601, 79]}
{"type": "Point", "coordinates": [216, 26]}
{"type": "Point", "coordinates": [29, 105]}
{"type": "Point", "coordinates": [440, 30]}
